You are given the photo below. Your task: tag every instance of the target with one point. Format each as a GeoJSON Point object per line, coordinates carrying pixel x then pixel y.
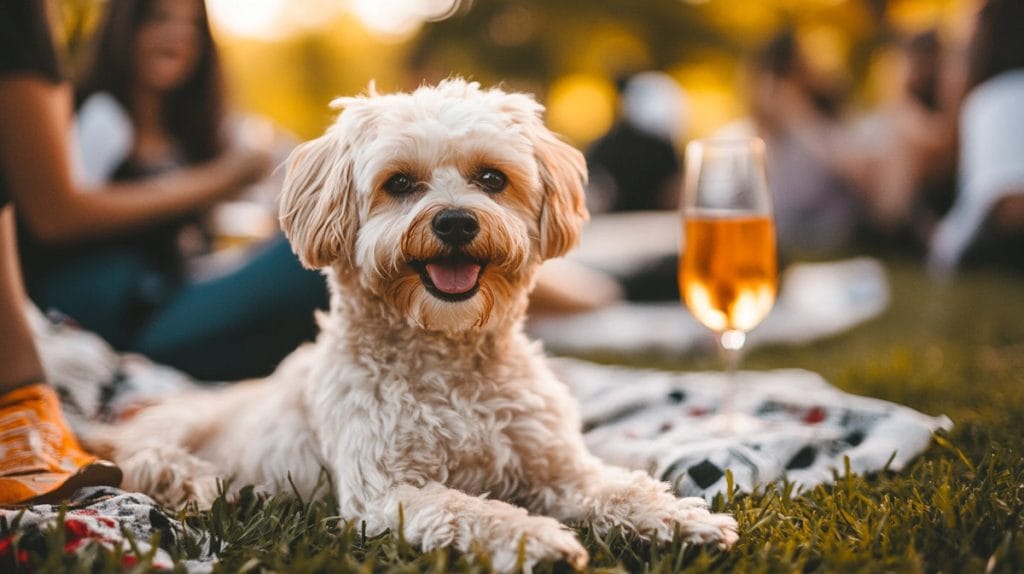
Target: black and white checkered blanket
{"type": "Point", "coordinates": [790, 425]}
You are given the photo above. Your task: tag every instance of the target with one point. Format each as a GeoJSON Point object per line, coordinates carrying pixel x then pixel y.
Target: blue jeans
{"type": "Point", "coordinates": [232, 327]}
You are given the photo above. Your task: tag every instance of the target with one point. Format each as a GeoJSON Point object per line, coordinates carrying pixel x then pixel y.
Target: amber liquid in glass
{"type": "Point", "coordinates": [727, 275]}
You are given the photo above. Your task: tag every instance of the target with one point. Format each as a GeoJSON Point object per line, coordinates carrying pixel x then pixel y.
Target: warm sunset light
{"type": "Point", "coordinates": [400, 17]}
{"type": "Point", "coordinates": [280, 18]}
{"type": "Point", "coordinates": [261, 18]}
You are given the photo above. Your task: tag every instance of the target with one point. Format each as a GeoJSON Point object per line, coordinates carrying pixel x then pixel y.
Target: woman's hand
{"type": "Point", "coordinates": [250, 163]}
{"type": "Point", "coordinates": [253, 144]}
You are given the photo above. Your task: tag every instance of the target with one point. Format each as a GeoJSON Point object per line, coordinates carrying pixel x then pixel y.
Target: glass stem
{"type": "Point", "coordinates": [731, 344]}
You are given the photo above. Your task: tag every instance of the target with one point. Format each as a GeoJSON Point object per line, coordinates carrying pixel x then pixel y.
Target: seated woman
{"type": "Point", "coordinates": [986, 224]}
{"type": "Point", "coordinates": [152, 105]}
{"type": "Point", "coordinates": [816, 209]}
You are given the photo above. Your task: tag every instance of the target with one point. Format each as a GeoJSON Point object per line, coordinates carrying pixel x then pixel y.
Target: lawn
{"type": "Point", "coordinates": [954, 349]}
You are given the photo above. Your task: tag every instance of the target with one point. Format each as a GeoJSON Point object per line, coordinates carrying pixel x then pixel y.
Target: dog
{"type": "Point", "coordinates": [429, 213]}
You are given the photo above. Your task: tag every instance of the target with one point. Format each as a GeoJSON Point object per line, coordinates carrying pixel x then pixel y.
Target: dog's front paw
{"type": "Point", "coordinates": [202, 490]}
{"type": "Point", "coordinates": [171, 475]}
{"type": "Point", "coordinates": [658, 518]}
{"type": "Point", "coordinates": [700, 526]}
{"type": "Point", "coordinates": [539, 539]}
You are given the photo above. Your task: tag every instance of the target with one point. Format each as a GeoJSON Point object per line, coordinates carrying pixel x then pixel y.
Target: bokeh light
{"type": "Point", "coordinates": [581, 107]}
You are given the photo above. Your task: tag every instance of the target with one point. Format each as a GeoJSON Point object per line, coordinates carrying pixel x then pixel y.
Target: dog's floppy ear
{"type": "Point", "coordinates": [563, 172]}
{"type": "Point", "coordinates": [317, 210]}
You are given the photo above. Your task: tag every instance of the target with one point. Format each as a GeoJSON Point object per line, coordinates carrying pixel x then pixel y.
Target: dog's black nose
{"type": "Point", "coordinates": [455, 226]}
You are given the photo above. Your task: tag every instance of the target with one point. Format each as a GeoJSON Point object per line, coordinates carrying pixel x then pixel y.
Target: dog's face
{"type": "Point", "coordinates": [441, 202]}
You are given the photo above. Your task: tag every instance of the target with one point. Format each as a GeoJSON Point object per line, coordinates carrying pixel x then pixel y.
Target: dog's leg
{"type": "Point", "coordinates": [435, 516]}
{"type": "Point", "coordinates": [609, 496]}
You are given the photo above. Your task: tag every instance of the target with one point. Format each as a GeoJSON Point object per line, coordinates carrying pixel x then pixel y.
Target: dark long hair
{"type": "Point", "coordinates": [998, 42]}
{"type": "Point", "coordinates": [193, 112]}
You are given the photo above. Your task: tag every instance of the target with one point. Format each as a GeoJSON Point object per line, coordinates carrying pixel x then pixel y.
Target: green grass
{"type": "Point", "coordinates": [956, 350]}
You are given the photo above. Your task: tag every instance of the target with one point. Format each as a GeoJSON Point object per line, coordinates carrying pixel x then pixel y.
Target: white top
{"type": "Point", "coordinates": [991, 164]}
{"type": "Point", "coordinates": [102, 138]}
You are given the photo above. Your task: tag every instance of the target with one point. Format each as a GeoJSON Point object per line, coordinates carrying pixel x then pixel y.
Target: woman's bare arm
{"type": "Point", "coordinates": [34, 120]}
{"type": "Point", "coordinates": [19, 361]}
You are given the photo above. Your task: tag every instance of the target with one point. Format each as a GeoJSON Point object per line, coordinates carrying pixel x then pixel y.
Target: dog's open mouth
{"type": "Point", "coordinates": [450, 278]}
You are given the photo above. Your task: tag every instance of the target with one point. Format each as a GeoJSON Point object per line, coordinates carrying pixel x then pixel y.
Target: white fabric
{"type": "Point", "coordinates": [816, 300]}
{"type": "Point", "coordinates": [991, 163]}
{"type": "Point", "coordinates": [623, 243]}
{"type": "Point", "coordinates": [102, 139]}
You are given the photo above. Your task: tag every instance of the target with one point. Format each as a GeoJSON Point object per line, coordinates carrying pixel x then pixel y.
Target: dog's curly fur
{"type": "Point", "coordinates": [440, 408]}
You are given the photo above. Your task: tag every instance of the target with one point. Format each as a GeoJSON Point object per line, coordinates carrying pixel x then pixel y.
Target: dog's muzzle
{"type": "Point", "coordinates": [454, 276]}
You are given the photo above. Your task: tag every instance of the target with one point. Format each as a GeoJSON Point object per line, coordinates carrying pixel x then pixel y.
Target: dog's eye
{"type": "Point", "coordinates": [399, 184]}
{"type": "Point", "coordinates": [492, 180]}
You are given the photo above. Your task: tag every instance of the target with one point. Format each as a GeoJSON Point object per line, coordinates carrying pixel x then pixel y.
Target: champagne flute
{"type": "Point", "coordinates": [728, 267]}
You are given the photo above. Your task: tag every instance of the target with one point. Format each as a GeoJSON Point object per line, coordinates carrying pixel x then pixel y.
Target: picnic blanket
{"type": "Point", "coordinates": [639, 418]}
{"type": "Point", "coordinates": [796, 426]}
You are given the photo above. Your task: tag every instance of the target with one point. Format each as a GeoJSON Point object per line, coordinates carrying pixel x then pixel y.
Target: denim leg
{"type": "Point", "coordinates": [105, 292]}
{"type": "Point", "coordinates": [242, 324]}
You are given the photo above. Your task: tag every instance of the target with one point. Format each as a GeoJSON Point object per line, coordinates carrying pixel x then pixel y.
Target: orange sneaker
{"type": "Point", "coordinates": [40, 458]}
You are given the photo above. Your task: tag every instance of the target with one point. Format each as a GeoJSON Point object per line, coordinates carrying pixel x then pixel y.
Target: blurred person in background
{"type": "Point", "coordinates": [635, 165]}
{"type": "Point", "coordinates": [881, 179]}
{"type": "Point", "coordinates": [906, 150]}
{"type": "Point", "coordinates": [151, 106]}
{"type": "Point", "coordinates": [986, 225]}
{"type": "Point", "coordinates": [635, 168]}
{"type": "Point", "coordinates": [815, 209]}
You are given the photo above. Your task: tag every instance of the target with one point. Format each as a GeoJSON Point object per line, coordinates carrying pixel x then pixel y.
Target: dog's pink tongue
{"type": "Point", "coordinates": [453, 278]}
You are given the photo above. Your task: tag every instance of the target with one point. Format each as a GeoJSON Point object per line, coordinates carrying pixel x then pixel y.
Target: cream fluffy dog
{"type": "Point", "coordinates": [430, 213]}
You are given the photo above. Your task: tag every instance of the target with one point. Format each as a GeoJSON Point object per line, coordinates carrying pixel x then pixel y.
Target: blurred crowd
{"type": "Point", "coordinates": [934, 170]}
